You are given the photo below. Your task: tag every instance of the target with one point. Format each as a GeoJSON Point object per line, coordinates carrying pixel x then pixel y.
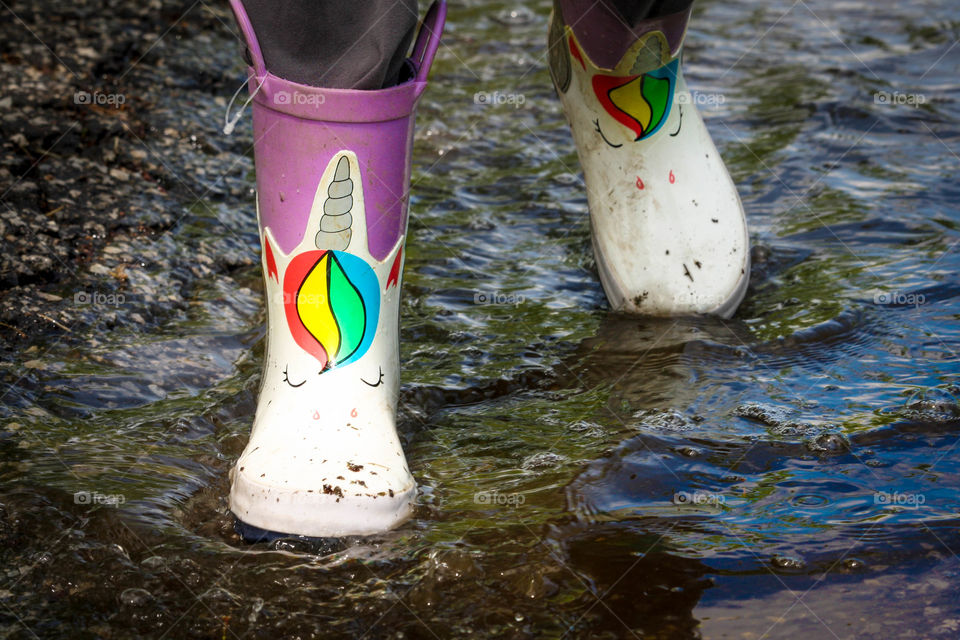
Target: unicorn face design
{"type": "Point", "coordinates": [632, 101]}
{"type": "Point", "coordinates": [637, 105]}
{"type": "Point", "coordinates": [329, 294]}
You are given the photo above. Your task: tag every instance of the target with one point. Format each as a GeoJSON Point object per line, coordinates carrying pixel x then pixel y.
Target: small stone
{"type": "Point", "coordinates": [854, 564]}
{"type": "Point", "coordinates": [135, 597]}
{"type": "Point", "coordinates": [542, 460]}
{"type": "Point", "coordinates": [787, 563]}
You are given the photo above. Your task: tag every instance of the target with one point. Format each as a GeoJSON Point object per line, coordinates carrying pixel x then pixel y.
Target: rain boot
{"type": "Point", "coordinates": [668, 229]}
{"type": "Point", "coordinates": [333, 177]}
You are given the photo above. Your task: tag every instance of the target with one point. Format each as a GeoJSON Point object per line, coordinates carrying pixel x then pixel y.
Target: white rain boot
{"type": "Point", "coordinates": [333, 179]}
{"type": "Point", "coordinates": [323, 458]}
{"type": "Point", "coordinates": [669, 232]}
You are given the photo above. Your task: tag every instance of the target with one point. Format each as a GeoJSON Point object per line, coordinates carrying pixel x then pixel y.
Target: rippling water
{"type": "Point", "coordinates": [791, 472]}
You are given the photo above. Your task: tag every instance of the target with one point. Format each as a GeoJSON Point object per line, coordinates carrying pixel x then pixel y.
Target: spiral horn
{"type": "Point", "coordinates": [335, 232]}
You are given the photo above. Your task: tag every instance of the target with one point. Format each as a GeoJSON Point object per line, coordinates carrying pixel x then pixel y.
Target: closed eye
{"type": "Point", "coordinates": [286, 378]}
{"type": "Point", "coordinates": [378, 383]}
{"type": "Point", "coordinates": [679, 124]}
{"type": "Point", "coordinates": [596, 125]}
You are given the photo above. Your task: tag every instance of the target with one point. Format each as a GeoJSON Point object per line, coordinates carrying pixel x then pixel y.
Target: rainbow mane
{"type": "Point", "coordinates": [332, 304]}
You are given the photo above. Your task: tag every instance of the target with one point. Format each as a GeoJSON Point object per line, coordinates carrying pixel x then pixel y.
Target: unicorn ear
{"type": "Point", "coordinates": [337, 217]}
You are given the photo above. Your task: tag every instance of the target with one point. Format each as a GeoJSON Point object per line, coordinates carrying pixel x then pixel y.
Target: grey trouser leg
{"type": "Point", "coordinates": [344, 44]}
{"type": "Point", "coordinates": [361, 44]}
{"type": "Point", "coordinates": [633, 11]}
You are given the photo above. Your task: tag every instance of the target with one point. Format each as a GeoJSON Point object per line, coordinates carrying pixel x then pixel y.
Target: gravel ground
{"type": "Point", "coordinates": [114, 166]}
